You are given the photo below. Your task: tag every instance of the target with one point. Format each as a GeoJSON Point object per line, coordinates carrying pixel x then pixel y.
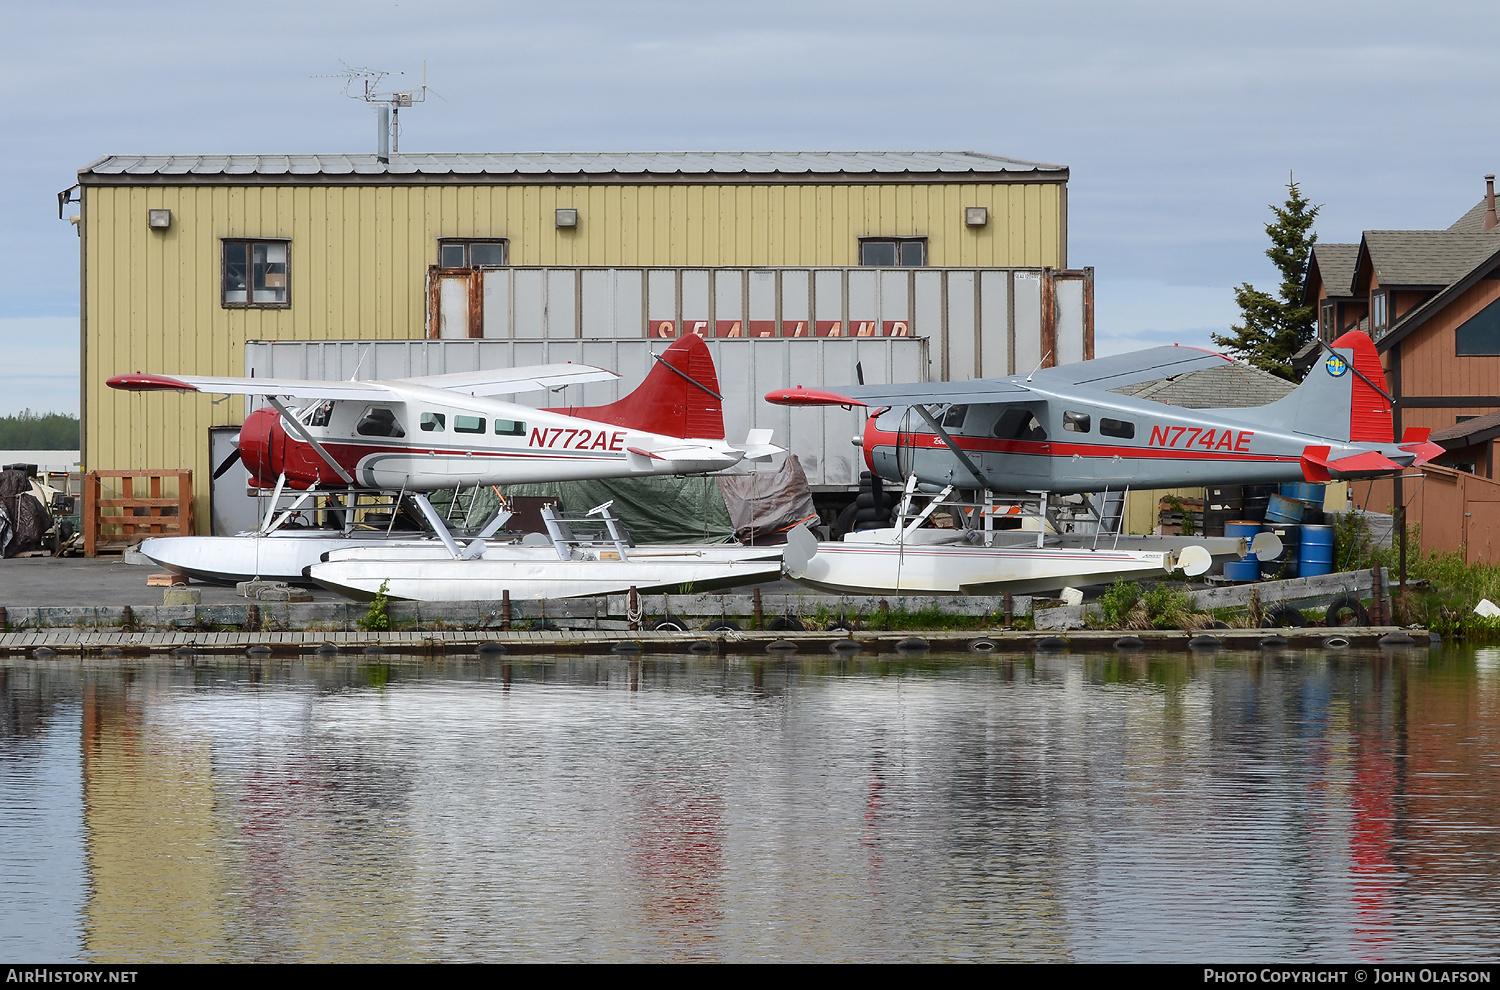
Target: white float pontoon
{"type": "Point", "coordinates": [583, 555]}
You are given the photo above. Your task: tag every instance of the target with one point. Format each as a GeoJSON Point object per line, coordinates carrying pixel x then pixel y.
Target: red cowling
{"type": "Point", "coordinates": [1369, 412]}
{"type": "Point", "coordinates": [679, 398]}
{"type": "Point", "coordinates": [263, 446]}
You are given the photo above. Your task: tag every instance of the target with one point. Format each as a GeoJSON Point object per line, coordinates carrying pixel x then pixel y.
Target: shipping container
{"type": "Point", "coordinates": [982, 322]}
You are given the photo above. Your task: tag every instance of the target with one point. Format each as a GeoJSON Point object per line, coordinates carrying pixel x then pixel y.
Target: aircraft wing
{"type": "Point", "coordinates": [507, 381]}
{"type": "Point", "coordinates": [1119, 370]}
{"type": "Point", "coordinates": [296, 388]}
{"type": "Point", "coordinates": [977, 390]}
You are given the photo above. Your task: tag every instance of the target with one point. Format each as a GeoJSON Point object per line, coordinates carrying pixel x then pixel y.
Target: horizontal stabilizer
{"type": "Point", "coordinates": [1317, 467]}
{"type": "Point", "coordinates": [1414, 441]}
{"type": "Point", "coordinates": [758, 446]}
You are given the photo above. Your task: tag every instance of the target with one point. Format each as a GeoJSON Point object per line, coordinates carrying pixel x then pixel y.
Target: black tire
{"type": "Point", "coordinates": [542, 625]}
{"type": "Point", "coordinates": [786, 623]}
{"type": "Point", "coordinates": [845, 522]}
{"type": "Point", "coordinates": [1357, 616]}
{"type": "Point", "coordinates": [872, 515]}
{"type": "Point", "coordinates": [841, 625]}
{"type": "Point", "coordinates": [722, 625]}
{"type": "Point", "coordinates": [670, 625]}
{"type": "Point", "coordinates": [1282, 616]}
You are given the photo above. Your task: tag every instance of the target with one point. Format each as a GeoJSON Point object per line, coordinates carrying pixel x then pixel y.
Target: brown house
{"type": "Point", "coordinates": [1431, 301]}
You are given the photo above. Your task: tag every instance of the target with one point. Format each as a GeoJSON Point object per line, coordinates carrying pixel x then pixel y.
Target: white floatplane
{"type": "Point", "coordinates": [583, 555]}
{"type": "Point", "coordinates": [420, 435]}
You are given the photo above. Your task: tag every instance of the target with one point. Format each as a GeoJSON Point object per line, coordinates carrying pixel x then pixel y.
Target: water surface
{"type": "Point", "coordinates": [1319, 806]}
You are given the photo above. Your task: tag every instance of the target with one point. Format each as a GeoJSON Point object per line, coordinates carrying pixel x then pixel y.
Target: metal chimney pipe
{"type": "Point", "coordinates": [1489, 198]}
{"type": "Point", "coordinates": [383, 144]}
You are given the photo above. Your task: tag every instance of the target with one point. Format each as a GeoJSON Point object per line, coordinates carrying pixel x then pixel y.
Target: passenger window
{"type": "Point", "coordinates": [379, 422]}
{"type": "Point", "coordinates": [468, 424]}
{"type": "Point", "coordinates": [1019, 424]}
{"type": "Point", "coordinates": [953, 419]}
{"type": "Point", "coordinates": [433, 422]}
{"type": "Point", "coordinates": [1076, 422]}
{"type": "Point", "coordinates": [507, 428]}
{"type": "Point", "coordinates": [1117, 428]}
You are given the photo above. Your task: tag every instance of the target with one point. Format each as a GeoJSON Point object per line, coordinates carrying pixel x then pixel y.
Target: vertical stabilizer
{"type": "Point", "coordinates": [679, 398]}
{"type": "Point", "coordinates": [1337, 400]}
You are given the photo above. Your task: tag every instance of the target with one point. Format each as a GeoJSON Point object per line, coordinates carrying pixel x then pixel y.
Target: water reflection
{"type": "Point", "coordinates": [1328, 806]}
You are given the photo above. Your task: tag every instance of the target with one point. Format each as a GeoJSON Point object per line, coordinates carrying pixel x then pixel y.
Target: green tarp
{"type": "Point", "coordinates": [655, 510]}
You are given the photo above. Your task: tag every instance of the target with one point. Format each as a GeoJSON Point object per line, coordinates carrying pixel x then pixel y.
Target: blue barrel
{"type": "Point", "coordinates": [1316, 554]}
{"type": "Point", "coordinates": [1242, 529]}
{"type": "Point", "coordinates": [1242, 570]}
{"type": "Point", "coordinates": [1304, 491]}
{"type": "Point", "coordinates": [1281, 509]}
{"type": "Point", "coordinates": [1286, 565]}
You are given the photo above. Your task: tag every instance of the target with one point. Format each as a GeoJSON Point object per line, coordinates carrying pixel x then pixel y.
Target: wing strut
{"type": "Point", "coordinates": [301, 431]}
{"type": "Point", "coordinates": [952, 445]}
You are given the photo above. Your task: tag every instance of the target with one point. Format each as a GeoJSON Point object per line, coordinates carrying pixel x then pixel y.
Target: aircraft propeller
{"type": "Point", "coordinates": [229, 461]}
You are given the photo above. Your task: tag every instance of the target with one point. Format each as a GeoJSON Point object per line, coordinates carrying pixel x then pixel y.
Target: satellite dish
{"type": "Point", "coordinates": [1194, 560]}
{"type": "Point", "coordinates": [1266, 546]}
{"type": "Point", "coordinates": [801, 548]}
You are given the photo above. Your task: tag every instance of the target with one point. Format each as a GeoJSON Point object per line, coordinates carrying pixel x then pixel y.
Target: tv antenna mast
{"type": "Point", "coordinates": [364, 83]}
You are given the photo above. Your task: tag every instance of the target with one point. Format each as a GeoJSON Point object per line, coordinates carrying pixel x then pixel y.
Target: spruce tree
{"type": "Point", "coordinates": [1273, 328]}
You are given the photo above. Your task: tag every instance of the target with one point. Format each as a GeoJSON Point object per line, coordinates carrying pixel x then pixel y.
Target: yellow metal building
{"type": "Point", "coordinates": [185, 258]}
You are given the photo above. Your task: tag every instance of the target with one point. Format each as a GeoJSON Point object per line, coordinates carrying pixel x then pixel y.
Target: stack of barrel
{"type": "Point", "coordinates": [1294, 513]}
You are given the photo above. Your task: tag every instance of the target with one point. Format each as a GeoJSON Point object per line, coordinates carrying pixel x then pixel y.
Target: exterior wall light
{"type": "Point", "coordinates": [567, 218]}
{"type": "Point", "coordinates": [976, 216]}
{"type": "Point", "coordinates": [158, 219]}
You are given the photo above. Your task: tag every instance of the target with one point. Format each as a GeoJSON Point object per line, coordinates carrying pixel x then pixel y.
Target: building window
{"type": "Point", "coordinates": [893, 252]}
{"type": "Point", "coordinates": [1325, 319]}
{"type": "Point", "coordinates": [1378, 314]}
{"type": "Point", "coordinates": [1480, 333]}
{"type": "Point", "coordinates": [487, 252]}
{"type": "Point", "coordinates": [255, 274]}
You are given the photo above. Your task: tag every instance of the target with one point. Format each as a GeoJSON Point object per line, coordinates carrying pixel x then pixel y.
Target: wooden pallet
{"type": "Point", "coordinates": [122, 508]}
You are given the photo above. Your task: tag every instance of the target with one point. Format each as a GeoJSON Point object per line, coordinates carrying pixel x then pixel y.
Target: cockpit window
{"type": "Point", "coordinates": [1019, 424]}
{"type": "Point", "coordinates": [318, 415]}
{"type": "Point", "coordinates": [953, 419]}
{"type": "Point", "coordinates": [379, 422]}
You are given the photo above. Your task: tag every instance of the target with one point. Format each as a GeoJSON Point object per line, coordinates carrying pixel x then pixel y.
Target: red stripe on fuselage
{"type": "Point", "coordinates": [1060, 448]}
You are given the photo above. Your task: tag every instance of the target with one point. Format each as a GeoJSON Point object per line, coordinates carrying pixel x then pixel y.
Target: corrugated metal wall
{"type": "Point", "coordinates": [748, 369]}
{"type": "Point", "coordinates": [359, 257]}
{"type": "Point", "coordinates": [983, 322]}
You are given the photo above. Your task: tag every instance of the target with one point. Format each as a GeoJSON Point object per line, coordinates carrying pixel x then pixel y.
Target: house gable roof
{"type": "Point", "coordinates": [1418, 259]}
{"type": "Point", "coordinates": [1333, 266]}
{"type": "Point", "coordinates": [1236, 385]}
{"type": "Point", "coordinates": [1422, 313]}
{"type": "Point", "coordinates": [1469, 432]}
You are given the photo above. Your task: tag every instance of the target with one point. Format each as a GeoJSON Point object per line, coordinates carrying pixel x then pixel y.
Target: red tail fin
{"type": "Point", "coordinates": [1369, 412]}
{"type": "Point", "coordinates": [679, 398]}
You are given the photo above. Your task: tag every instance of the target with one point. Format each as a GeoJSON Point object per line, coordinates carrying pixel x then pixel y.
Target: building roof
{"type": "Point", "coordinates": [1472, 222]}
{"type": "Point", "coordinates": [1429, 259]}
{"type": "Point", "coordinates": [1469, 432]}
{"type": "Point", "coordinates": [568, 166]}
{"type": "Point", "coordinates": [1336, 266]}
{"type": "Point", "coordinates": [1231, 386]}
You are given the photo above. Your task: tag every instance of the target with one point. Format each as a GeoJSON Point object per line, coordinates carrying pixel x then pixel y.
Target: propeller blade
{"type": "Point", "coordinates": [229, 462]}
{"type": "Point", "coordinates": [801, 548]}
{"type": "Point", "coordinates": [1266, 546]}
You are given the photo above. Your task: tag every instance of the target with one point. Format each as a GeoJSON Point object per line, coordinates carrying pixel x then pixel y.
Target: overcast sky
{"type": "Point", "coordinates": [1180, 121]}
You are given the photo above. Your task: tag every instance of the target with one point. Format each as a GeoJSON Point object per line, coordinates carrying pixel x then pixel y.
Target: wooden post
{"type": "Point", "coordinates": [4, 620]}
{"type": "Point", "coordinates": [1008, 611]}
{"type": "Point", "coordinates": [633, 608]}
{"type": "Point", "coordinates": [127, 620]}
{"type": "Point", "coordinates": [755, 595]}
{"type": "Point", "coordinates": [1401, 531]}
{"type": "Point", "coordinates": [505, 609]}
{"type": "Point", "coordinates": [1377, 603]}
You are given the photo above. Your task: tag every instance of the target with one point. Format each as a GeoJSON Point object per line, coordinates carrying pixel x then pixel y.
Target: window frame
{"type": "Point", "coordinates": [466, 243]}
{"type": "Point", "coordinates": [248, 244]}
{"type": "Point", "coordinates": [898, 242]}
{"type": "Point", "coordinates": [1380, 311]}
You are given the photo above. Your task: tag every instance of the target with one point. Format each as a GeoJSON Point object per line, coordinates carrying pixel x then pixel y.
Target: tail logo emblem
{"type": "Point", "coordinates": [1336, 365]}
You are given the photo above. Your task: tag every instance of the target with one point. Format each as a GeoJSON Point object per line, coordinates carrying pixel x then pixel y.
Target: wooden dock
{"type": "Point", "coordinates": [186, 645]}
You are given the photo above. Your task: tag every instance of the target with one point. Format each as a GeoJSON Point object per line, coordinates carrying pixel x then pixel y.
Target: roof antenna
{"type": "Point", "coordinates": [361, 363]}
{"type": "Point", "coordinates": [1039, 365]}
{"type": "Point", "coordinates": [388, 116]}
